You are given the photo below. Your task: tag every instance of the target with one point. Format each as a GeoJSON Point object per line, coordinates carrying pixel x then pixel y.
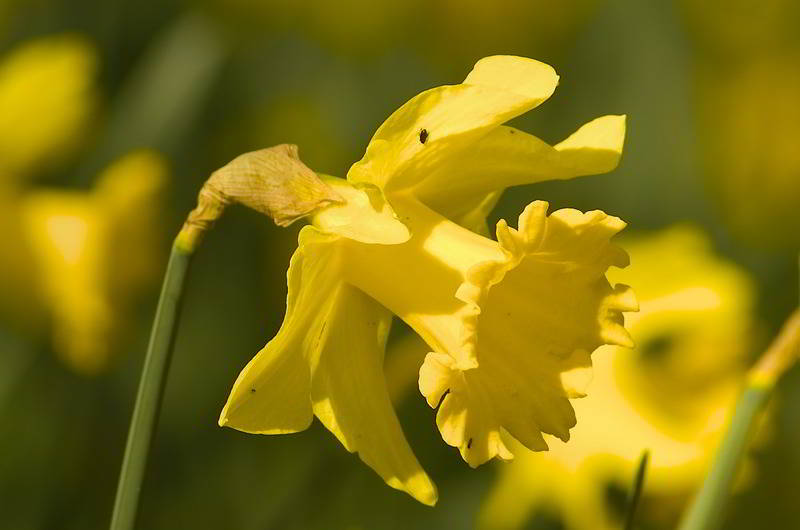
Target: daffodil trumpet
{"type": "Point", "coordinates": [274, 182]}
{"type": "Point", "coordinates": [510, 322]}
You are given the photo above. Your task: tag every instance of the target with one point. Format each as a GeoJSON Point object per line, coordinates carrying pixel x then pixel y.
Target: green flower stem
{"type": "Point", "coordinates": [151, 389]}
{"type": "Point", "coordinates": [706, 510]}
{"type": "Point", "coordinates": [636, 492]}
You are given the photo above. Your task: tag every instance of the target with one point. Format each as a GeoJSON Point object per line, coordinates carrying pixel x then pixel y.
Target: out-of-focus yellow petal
{"type": "Point", "coordinates": [66, 237]}
{"type": "Point", "coordinates": [509, 157]}
{"type": "Point", "coordinates": [93, 252]}
{"type": "Point", "coordinates": [130, 194]}
{"type": "Point", "coordinates": [350, 396]}
{"type": "Point", "coordinates": [439, 124]}
{"type": "Point", "coordinates": [364, 215]}
{"type": "Point", "coordinates": [46, 95]}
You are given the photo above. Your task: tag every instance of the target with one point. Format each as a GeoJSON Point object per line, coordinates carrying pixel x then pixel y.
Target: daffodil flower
{"type": "Point", "coordinates": [47, 94]}
{"type": "Point", "coordinates": [92, 251]}
{"type": "Point", "coordinates": [510, 323]}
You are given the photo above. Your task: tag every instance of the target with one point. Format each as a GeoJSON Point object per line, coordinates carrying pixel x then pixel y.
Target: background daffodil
{"type": "Point", "coordinates": [668, 395]}
{"type": "Point", "coordinates": [511, 323]}
{"type": "Point", "coordinates": [47, 95]}
{"type": "Point", "coordinates": [93, 251]}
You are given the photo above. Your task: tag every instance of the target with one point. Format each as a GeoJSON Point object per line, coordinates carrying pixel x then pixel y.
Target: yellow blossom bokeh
{"type": "Point", "coordinates": [93, 251]}
{"type": "Point", "coordinates": [47, 95]}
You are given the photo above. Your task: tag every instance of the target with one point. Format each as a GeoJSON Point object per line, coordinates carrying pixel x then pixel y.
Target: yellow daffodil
{"type": "Point", "coordinates": [510, 323]}
{"type": "Point", "coordinates": [671, 395]}
{"type": "Point", "coordinates": [46, 96]}
{"type": "Point", "coordinates": [47, 93]}
{"type": "Point", "coordinates": [93, 251]}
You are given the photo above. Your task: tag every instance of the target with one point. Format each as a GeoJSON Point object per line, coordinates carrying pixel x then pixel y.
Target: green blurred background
{"type": "Point", "coordinates": [712, 94]}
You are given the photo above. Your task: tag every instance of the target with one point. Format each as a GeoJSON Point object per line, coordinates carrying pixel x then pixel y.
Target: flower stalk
{"type": "Point", "coordinates": [151, 389]}
{"type": "Point", "coordinates": [272, 181]}
{"type": "Point", "coordinates": [706, 510]}
{"type": "Point", "coordinates": [636, 492]}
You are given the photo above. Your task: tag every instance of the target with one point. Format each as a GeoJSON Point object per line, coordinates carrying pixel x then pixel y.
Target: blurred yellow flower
{"type": "Point", "coordinates": [47, 93]}
{"type": "Point", "coordinates": [672, 394]}
{"type": "Point", "coordinates": [511, 322]}
{"type": "Point", "coordinates": [93, 252]}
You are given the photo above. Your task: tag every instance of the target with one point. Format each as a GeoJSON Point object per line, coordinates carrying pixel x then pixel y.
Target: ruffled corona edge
{"type": "Point", "coordinates": [534, 318]}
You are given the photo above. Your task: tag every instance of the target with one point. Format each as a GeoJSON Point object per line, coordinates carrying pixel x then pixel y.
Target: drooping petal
{"type": "Point", "coordinates": [539, 314]}
{"type": "Point", "coordinates": [272, 393]}
{"type": "Point", "coordinates": [509, 157]}
{"type": "Point", "coordinates": [350, 396]}
{"type": "Point", "coordinates": [439, 124]}
{"type": "Point", "coordinates": [66, 234]}
{"type": "Point", "coordinates": [327, 360]}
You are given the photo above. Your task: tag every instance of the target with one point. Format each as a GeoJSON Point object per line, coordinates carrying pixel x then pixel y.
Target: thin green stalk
{"type": "Point", "coordinates": [706, 510]}
{"type": "Point", "coordinates": [151, 390]}
{"type": "Point", "coordinates": [636, 492]}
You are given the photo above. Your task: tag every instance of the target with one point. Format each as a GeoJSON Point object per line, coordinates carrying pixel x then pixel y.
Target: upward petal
{"type": "Point", "coordinates": [459, 187]}
{"type": "Point", "coordinates": [441, 123]}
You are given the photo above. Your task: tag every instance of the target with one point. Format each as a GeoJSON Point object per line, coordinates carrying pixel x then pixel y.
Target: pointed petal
{"type": "Point", "coordinates": [350, 396]}
{"type": "Point", "coordinates": [509, 157]}
{"type": "Point", "coordinates": [271, 394]}
{"type": "Point", "coordinates": [441, 123]}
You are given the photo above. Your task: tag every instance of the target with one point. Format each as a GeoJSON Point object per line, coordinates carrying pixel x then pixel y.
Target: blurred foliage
{"type": "Point", "coordinates": [710, 92]}
{"type": "Point", "coordinates": [747, 76]}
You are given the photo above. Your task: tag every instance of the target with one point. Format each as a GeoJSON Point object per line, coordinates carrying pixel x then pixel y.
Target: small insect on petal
{"type": "Point", "coordinates": [423, 136]}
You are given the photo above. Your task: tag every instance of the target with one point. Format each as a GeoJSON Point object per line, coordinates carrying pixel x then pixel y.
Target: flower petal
{"type": "Point", "coordinates": [350, 395]}
{"type": "Point", "coordinates": [327, 360]}
{"type": "Point", "coordinates": [440, 123]}
{"type": "Point", "coordinates": [509, 157]}
{"type": "Point", "coordinates": [364, 215]}
{"type": "Point", "coordinates": [271, 394]}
